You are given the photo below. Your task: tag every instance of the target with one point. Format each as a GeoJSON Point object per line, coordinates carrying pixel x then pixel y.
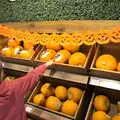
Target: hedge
{"type": "Point", "coordinates": [42, 10]}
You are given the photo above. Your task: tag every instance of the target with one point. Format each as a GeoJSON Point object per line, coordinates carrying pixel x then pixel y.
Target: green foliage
{"type": "Point", "coordinates": [42, 10]}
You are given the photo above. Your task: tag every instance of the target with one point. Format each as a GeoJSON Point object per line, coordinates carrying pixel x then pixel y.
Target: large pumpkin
{"type": "Point", "coordinates": [64, 55]}
{"type": "Point", "coordinates": [47, 55]}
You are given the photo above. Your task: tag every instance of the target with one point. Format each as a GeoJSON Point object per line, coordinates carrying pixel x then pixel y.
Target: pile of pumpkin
{"type": "Point", "coordinates": [15, 49]}
{"type": "Point", "coordinates": [86, 37]}
{"type": "Point", "coordinates": [68, 53]}
{"type": "Point", "coordinates": [102, 107]}
{"type": "Point", "coordinates": [67, 45]}
{"type": "Point", "coordinates": [58, 98]}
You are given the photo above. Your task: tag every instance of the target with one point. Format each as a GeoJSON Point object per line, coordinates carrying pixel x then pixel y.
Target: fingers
{"type": "Point", "coordinates": [49, 63]}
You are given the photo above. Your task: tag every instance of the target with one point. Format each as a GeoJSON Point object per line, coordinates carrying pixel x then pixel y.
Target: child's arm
{"type": "Point", "coordinates": [25, 83]}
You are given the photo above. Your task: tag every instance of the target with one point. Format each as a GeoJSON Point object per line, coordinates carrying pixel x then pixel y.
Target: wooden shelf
{"type": "Point", "coordinates": [83, 79]}
{"type": "Point", "coordinates": [17, 67]}
{"type": "Point", "coordinates": [39, 113]}
{"type": "Point", "coordinates": [106, 83]}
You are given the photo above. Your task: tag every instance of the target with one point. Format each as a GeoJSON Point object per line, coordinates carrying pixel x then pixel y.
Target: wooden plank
{"type": "Point", "coordinates": [105, 83]}
{"type": "Point", "coordinates": [64, 26]}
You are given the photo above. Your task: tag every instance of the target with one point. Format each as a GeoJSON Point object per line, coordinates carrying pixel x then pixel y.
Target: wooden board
{"type": "Point", "coordinates": [64, 26]}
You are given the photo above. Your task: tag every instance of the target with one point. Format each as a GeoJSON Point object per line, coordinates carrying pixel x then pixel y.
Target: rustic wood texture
{"type": "Point", "coordinates": [64, 26]}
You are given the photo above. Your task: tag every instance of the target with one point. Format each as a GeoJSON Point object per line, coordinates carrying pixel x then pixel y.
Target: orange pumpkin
{"type": "Point", "coordinates": [78, 38]}
{"type": "Point", "coordinates": [39, 99]}
{"type": "Point", "coordinates": [26, 54]}
{"type": "Point", "coordinates": [89, 38]}
{"type": "Point", "coordinates": [71, 47]}
{"type": "Point", "coordinates": [54, 42]}
{"type": "Point", "coordinates": [64, 56]}
{"type": "Point", "coordinates": [101, 103]}
{"type": "Point", "coordinates": [102, 37]}
{"type": "Point", "coordinates": [61, 92]}
{"type": "Point", "coordinates": [115, 36]}
{"type": "Point", "coordinates": [53, 103]}
{"type": "Point", "coordinates": [77, 58]}
{"type": "Point", "coordinates": [100, 115]}
{"type": "Point", "coordinates": [47, 55]}
{"type": "Point", "coordinates": [53, 45]}
{"type": "Point", "coordinates": [7, 51]}
{"type": "Point", "coordinates": [12, 43]}
{"type": "Point", "coordinates": [69, 107]}
{"type": "Point", "coordinates": [74, 94]}
{"type": "Point", "coordinates": [106, 62]}
{"type": "Point", "coordinates": [47, 89]}
{"type": "Point", "coordinates": [118, 67]}
{"type": "Point", "coordinates": [116, 117]}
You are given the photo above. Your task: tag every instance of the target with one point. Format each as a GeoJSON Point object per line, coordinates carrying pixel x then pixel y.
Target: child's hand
{"type": "Point", "coordinates": [49, 63]}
